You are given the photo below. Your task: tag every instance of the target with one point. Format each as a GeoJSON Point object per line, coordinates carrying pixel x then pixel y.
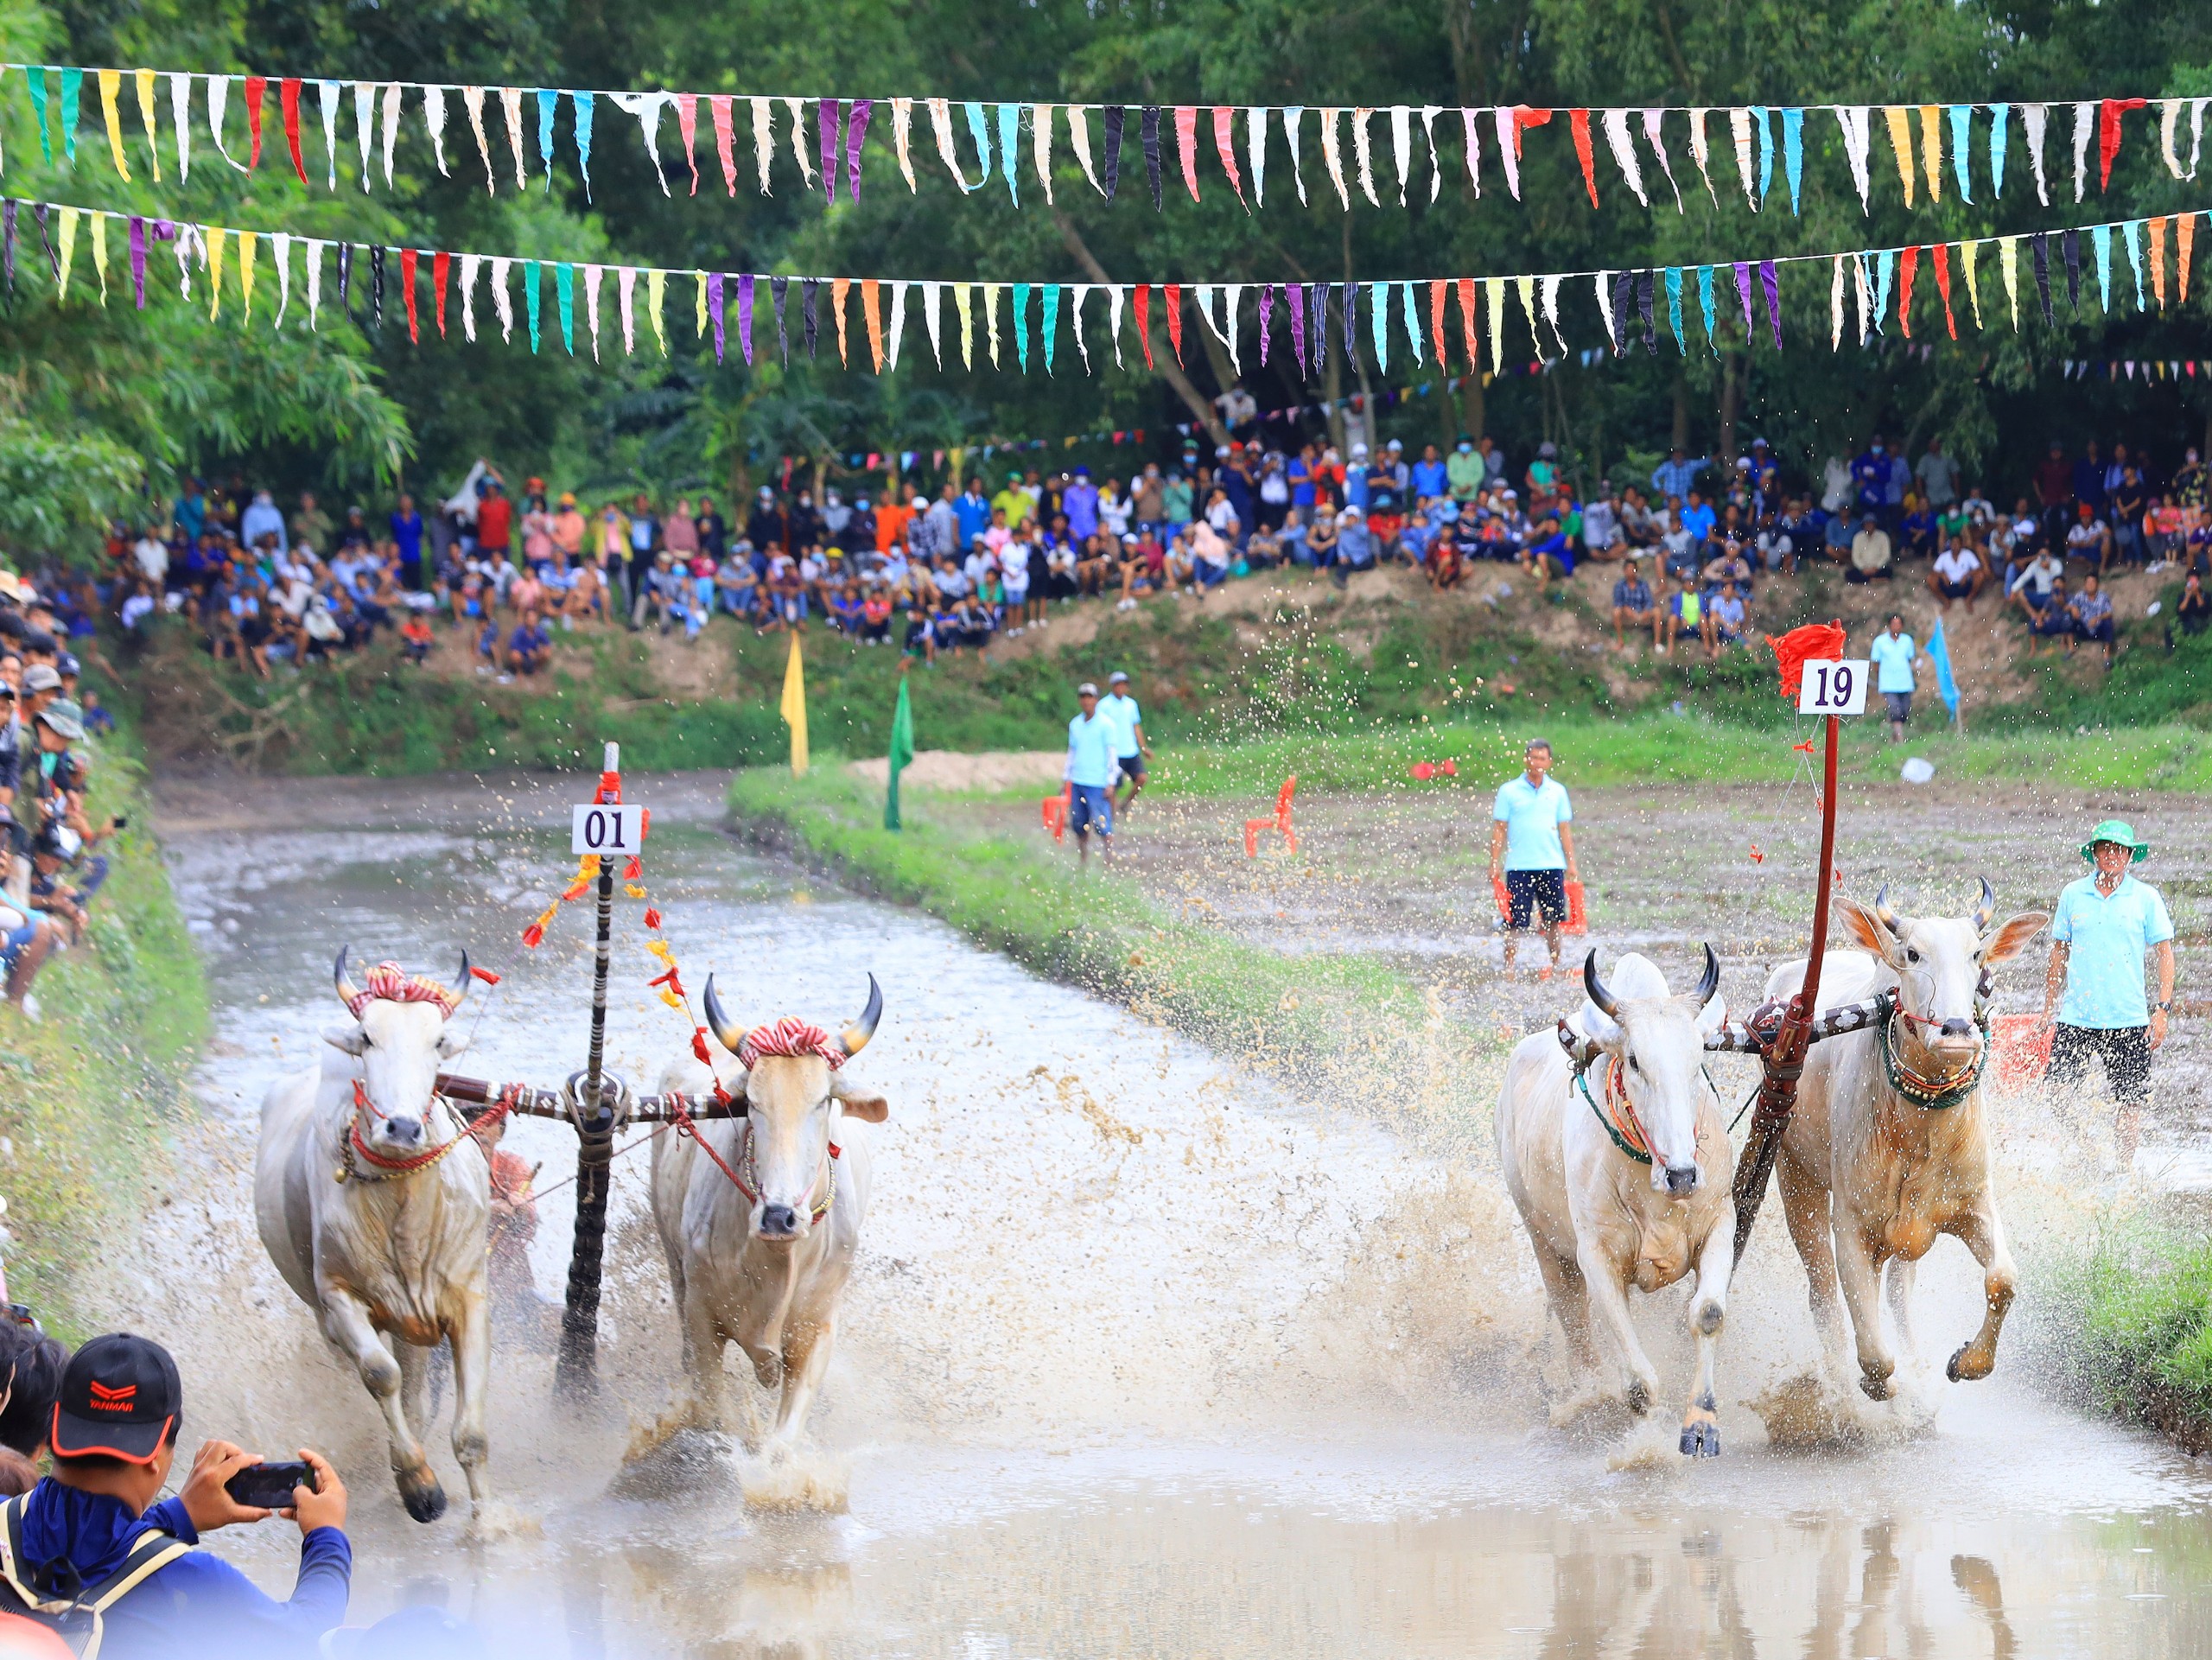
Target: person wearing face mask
{"type": "Point", "coordinates": [2189, 482]}
{"type": "Point", "coordinates": [1870, 481]}
{"type": "Point", "coordinates": [1463, 471]}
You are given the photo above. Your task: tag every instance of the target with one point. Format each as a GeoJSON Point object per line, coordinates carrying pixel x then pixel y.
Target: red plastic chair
{"type": "Point", "coordinates": [1280, 822]}
{"type": "Point", "coordinates": [1055, 810]}
{"type": "Point", "coordinates": [2022, 1051]}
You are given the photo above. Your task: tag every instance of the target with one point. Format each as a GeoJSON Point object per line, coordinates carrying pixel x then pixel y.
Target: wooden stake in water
{"type": "Point", "coordinates": [577, 1373]}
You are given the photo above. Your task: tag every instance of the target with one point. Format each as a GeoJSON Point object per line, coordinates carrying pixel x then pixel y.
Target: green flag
{"type": "Point", "coordinates": [902, 751]}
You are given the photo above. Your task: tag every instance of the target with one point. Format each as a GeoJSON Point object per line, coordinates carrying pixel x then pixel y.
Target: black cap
{"type": "Point", "coordinates": [119, 1398]}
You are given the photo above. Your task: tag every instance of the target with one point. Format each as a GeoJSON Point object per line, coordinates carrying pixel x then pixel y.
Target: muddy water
{"type": "Point", "coordinates": [1144, 1356]}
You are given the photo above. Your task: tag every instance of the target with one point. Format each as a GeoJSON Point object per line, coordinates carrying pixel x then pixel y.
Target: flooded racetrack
{"type": "Point", "coordinates": [1145, 1355]}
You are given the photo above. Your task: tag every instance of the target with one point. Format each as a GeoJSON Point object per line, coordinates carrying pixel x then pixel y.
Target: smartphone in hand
{"type": "Point", "coordinates": [269, 1486]}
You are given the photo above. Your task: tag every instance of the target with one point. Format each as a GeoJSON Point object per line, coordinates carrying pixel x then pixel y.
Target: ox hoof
{"type": "Point", "coordinates": [1959, 1372]}
{"type": "Point", "coordinates": [1701, 1438]}
{"type": "Point", "coordinates": [424, 1503]}
{"type": "Point", "coordinates": [1873, 1388]}
{"type": "Point", "coordinates": [1638, 1397]}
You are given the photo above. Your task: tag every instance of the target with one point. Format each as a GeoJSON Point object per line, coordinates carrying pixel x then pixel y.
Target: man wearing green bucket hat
{"type": "Point", "coordinates": [2104, 924]}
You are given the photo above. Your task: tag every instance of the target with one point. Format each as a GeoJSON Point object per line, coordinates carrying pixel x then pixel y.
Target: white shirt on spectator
{"type": "Point", "coordinates": [1957, 564]}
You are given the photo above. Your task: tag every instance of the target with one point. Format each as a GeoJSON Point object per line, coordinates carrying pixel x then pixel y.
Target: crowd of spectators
{"type": "Point", "coordinates": [1691, 555]}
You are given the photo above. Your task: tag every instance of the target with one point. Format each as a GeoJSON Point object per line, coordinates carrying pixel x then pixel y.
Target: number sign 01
{"type": "Point", "coordinates": [608, 829]}
{"type": "Point", "coordinates": [1833, 688]}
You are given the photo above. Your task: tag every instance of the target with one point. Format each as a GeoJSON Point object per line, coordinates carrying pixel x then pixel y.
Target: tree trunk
{"type": "Point", "coordinates": [1732, 391]}
{"type": "Point", "coordinates": [1682, 433]}
{"type": "Point", "coordinates": [1333, 384]}
{"type": "Point", "coordinates": [1163, 358]}
{"type": "Point", "coordinates": [1474, 413]}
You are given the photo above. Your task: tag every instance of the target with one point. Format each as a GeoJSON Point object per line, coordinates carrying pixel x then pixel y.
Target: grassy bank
{"type": "Point", "coordinates": [1343, 1021]}
{"type": "Point", "coordinates": [87, 1095]}
{"type": "Point", "coordinates": [2125, 1328]}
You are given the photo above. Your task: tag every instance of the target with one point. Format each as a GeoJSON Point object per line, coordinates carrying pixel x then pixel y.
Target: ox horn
{"type": "Point", "coordinates": [1709, 982]}
{"type": "Point", "coordinates": [1889, 918]}
{"type": "Point", "coordinates": [1986, 909]}
{"type": "Point", "coordinates": [462, 979]}
{"type": "Point", "coordinates": [346, 989]}
{"type": "Point", "coordinates": [726, 1032]}
{"type": "Point", "coordinates": [1596, 988]}
{"type": "Point", "coordinates": [854, 1037]}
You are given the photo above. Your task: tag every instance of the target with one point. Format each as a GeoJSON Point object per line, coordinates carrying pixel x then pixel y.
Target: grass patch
{"type": "Point", "coordinates": [1346, 1021]}
{"type": "Point", "coordinates": [2126, 1328]}
{"type": "Point", "coordinates": [87, 1096]}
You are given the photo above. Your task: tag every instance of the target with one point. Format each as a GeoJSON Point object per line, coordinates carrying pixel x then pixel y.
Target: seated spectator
{"type": "Point", "coordinates": [875, 619]}
{"type": "Point", "coordinates": [1549, 554]}
{"type": "Point", "coordinates": [1729, 565]}
{"type": "Point", "coordinates": [1836, 537]}
{"type": "Point", "coordinates": [1699, 520]}
{"type": "Point", "coordinates": [2166, 532]}
{"type": "Point", "coordinates": [1632, 604]}
{"type": "Point", "coordinates": [95, 1519]}
{"type": "Point", "coordinates": [1264, 550]}
{"type": "Point", "coordinates": [846, 608]}
{"type": "Point", "coordinates": [1870, 553]}
{"type": "Point", "coordinates": [1682, 613]}
{"type": "Point", "coordinates": [1601, 524]}
{"type": "Point", "coordinates": [415, 640]}
{"type": "Point", "coordinates": [97, 720]}
{"type": "Point", "coordinates": [1776, 543]}
{"type": "Point", "coordinates": [1211, 553]}
{"type": "Point", "coordinates": [971, 624]}
{"type": "Point", "coordinates": [2055, 620]}
{"type": "Point", "coordinates": [921, 635]}
{"type": "Point", "coordinates": [2193, 610]}
{"type": "Point", "coordinates": [1321, 541]}
{"type": "Point", "coordinates": [2091, 612]}
{"type": "Point", "coordinates": [1724, 617]}
{"type": "Point", "coordinates": [2088, 537]}
{"type": "Point", "coordinates": [1097, 563]}
{"type": "Point", "coordinates": [1957, 574]}
{"type": "Point", "coordinates": [1917, 528]}
{"type": "Point", "coordinates": [529, 647]}
{"type": "Point", "coordinates": [1681, 553]}
{"type": "Point", "coordinates": [2032, 586]}
{"type": "Point", "coordinates": [1355, 544]}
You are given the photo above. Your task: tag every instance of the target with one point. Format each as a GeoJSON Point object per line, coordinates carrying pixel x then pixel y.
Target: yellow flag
{"type": "Point", "coordinates": [793, 708]}
{"type": "Point", "coordinates": [111, 89]}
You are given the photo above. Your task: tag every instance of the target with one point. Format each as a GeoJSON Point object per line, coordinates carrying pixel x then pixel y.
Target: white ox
{"type": "Point", "coordinates": [1878, 1158]}
{"type": "Point", "coordinates": [765, 1269]}
{"type": "Point", "coordinates": [378, 1249]}
{"type": "Point", "coordinates": [1601, 1217]}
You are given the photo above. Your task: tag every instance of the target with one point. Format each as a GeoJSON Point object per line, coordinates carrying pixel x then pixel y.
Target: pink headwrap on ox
{"type": "Point", "coordinates": [790, 1036]}
{"type": "Point", "coordinates": [388, 982]}
{"type": "Point", "coordinates": [793, 1036]}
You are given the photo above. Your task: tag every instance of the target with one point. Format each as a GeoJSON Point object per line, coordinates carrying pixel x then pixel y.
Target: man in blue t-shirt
{"type": "Point", "coordinates": [407, 531]}
{"type": "Point", "coordinates": [1093, 740]}
{"type": "Point", "coordinates": [973, 511]}
{"type": "Point", "coordinates": [1893, 654]}
{"type": "Point", "coordinates": [2106, 923]}
{"type": "Point", "coordinates": [1532, 851]}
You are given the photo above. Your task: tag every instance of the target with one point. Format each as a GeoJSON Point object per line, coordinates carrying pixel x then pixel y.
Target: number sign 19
{"type": "Point", "coordinates": [1833, 688]}
{"type": "Point", "coordinates": [608, 829]}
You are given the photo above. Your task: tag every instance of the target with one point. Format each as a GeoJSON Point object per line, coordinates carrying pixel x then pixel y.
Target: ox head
{"type": "Point", "coordinates": [401, 1034]}
{"type": "Point", "coordinates": [794, 1095]}
{"type": "Point", "coordinates": [1938, 962]}
{"type": "Point", "coordinates": [1658, 1041]}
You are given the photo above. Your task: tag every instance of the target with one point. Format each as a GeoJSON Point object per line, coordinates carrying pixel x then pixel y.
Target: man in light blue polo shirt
{"type": "Point", "coordinates": [2105, 924]}
{"type": "Point", "coordinates": [1893, 652]}
{"type": "Point", "coordinates": [1119, 707]}
{"type": "Point", "coordinates": [1532, 851]}
{"type": "Point", "coordinates": [1092, 740]}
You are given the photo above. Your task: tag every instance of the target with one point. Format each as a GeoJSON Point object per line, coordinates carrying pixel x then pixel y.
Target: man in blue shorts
{"type": "Point", "coordinates": [1119, 707]}
{"type": "Point", "coordinates": [2106, 923]}
{"type": "Point", "coordinates": [1092, 740]}
{"type": "Point", "coordinates": [1532, 851]}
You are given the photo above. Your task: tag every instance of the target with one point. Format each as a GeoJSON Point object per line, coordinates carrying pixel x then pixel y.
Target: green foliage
{"type": "Point", "coordinates": [2125, 1324]}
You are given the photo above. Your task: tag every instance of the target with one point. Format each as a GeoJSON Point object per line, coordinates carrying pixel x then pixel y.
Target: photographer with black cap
{"type": "Point", "coordinates": [91, 1554]}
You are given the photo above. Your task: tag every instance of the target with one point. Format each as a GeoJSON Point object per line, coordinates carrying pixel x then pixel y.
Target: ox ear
{"type": "Point", "coordinates": [451, 1043]}
{"type": "Point", "coordinates": [1868, 929]}
{"type": "Point", "coordinates": [2006, 941]}
{"type": "Point", "coordinates": [1713, 1016]}
{"type": "Point", "coordinates": [868, 1107]}
{"type": "Point", "coordinates": [1600, 1027]}
{"type": "Point", "coordinates": [350, 1039]}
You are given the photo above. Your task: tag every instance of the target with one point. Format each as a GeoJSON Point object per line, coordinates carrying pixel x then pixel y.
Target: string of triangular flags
{"type": "Point", "coordinates": [1014, 138]}
{"type": "Point", "coordinates": [1414, 317]}
{"type": "Point", "coordinates": [2152, 368]}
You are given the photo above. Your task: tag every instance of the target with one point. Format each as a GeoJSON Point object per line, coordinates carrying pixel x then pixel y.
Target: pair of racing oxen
{"type": "Point", "coordinates": [1626, 1180]}
{"type": "Point", "coordinates": [373, 1200]}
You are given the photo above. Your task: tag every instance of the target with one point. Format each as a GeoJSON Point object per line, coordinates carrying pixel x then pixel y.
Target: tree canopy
{"type": "Point", "coordinates": [89, 395]}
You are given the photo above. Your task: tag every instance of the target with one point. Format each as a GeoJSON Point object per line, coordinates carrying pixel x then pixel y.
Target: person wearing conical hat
{"type": "Point", "coordinates": [2104, 926]}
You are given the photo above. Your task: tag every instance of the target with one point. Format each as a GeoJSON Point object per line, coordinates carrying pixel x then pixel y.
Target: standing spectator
{"type": "Point", "coordinates": [1870, 481]}
{"type": "Point", "coordinates": [407, 536]}
{"type": "Point", "coordinates": [766, 530]}
{"type": "Point", "coordinates": [973, 512]}
{"type": "Point", "coordinates": [1532, 851]}
{"type": "Point", "coordinates": [2093, 995]}
{"type": "Point", "coordinates": [1464, 473]}
{"type": "Point", "coordinates": [1893, 653]}
{"type": "Point", "coordinates": [311, 524]}
{"type": "Point", "coordinates": [1632, 606]}
{"type": "Point", "coordinates": [2189, 482]}
{"type": "Point", "coordinates": [2129, 503]}
{"type": "Point", "coordinates": [713, 530]}
{"type": "Point", "coordinates": [1675, 476]}
{"type": "Point", "coordinates": [2054, 480]}
{"type": "Point", "coordinates": [2089, 481]}
{"type": "Point", "coordinates": [1601, 523]}
{"type": "Point", "coordinates": [1938, 475]}
{"type": "Point", "coordinates": [261, 519]}
{"type": "Point", "coordinates": [1132, 749]}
